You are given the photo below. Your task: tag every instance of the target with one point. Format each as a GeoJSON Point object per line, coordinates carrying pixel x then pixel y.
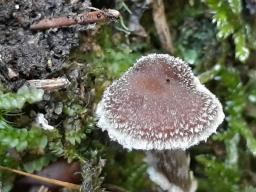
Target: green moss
{"type": "Point", "coordinates": [116, 57]}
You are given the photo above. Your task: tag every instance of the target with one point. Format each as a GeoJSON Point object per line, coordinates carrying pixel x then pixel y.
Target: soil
{"type": "Point", "coordinates": [27, 54]}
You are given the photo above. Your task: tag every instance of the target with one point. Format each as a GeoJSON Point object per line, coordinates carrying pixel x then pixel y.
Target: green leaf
{"type": "Point", "coordinates": [210, 74]}
{"type": "Point", "coordinates": [38, 164]}
{"type": "Point", "coordinates": [250, 139]}
{"type": "Point", "coordinates": [236, 6]}
{"type": "Point", "coordinates": [11, 101]}
{"type": "Point", "coordinates": [227, 15]}
{"type": "Point", "coordinates": [21, 145]}
{"type": "Point", "coordinates": [242, 52]}
{"type": "Point", "coordinates": [75, 136]}
{"type": "Point", "coordinates": [6, 181]}
{"type": "Point", "coordinates": [232, 150]}
{"type": "Point", "coordinates": [21, 139]}
{"type": "Point", "coordinates": [239, 125]}
{"type": "Point", "coordinates": [220, 176]}
{"type": "Point", "coordinates": [250, 189]}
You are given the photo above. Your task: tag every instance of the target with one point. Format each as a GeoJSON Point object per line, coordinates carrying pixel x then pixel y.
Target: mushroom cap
{"type": "Point", "coordinates": [159, 104]}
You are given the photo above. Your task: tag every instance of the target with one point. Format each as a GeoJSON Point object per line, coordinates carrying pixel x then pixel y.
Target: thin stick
{"type": "Point", "coordinates": [162, 27]}
{"type": "Point", "coordinates": [98, 16]}
{"type": "Point", "coordinates": [43, 179]}
{"type": "Point", "coordinates": [49, 84]}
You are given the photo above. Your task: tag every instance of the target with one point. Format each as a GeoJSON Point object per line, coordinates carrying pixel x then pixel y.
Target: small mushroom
{"type": "Point", "coordinates": [159, 104]}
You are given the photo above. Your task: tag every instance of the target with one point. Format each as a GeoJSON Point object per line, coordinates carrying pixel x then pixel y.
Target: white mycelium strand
{"type": "Point", "coordinates": [159, 104]}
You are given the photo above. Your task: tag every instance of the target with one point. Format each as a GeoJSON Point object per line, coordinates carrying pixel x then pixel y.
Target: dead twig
{"type": "Point", "coordinates": [162, 26]}
{"type": "Point", "coordinates": [98, 16]}
{"type": "Point", "coordinates": [43, 179]}
{"type": "Point", "coordinates": [49, 84]}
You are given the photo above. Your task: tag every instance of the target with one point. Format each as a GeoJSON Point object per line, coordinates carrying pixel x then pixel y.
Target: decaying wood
{"type": "Point", "coordinates": [98, 16]}
{"type": "Point", "coordinates": [162, 26]}
{"type": "Point", "coordinates": [49, 84]}
{"type": "Point", "coordinates": [170, 169]}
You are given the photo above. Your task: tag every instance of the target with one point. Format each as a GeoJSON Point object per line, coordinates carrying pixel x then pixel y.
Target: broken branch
{"type": "Point", "coordinates": [49, 84]}
{"type": "Point", "coordinates": [162, 27]}
{"type": "Point", "coordinates": [98, 16]}
{"type": "Point", "coordinates": [43, 179]}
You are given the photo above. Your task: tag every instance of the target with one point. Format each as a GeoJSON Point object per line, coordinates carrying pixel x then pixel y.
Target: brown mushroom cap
{"type": "Point", "coordinates": [159, 104]}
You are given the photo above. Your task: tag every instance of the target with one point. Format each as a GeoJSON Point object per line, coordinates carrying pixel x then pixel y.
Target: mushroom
{"type": "Point", "coordinates": [159, 104]}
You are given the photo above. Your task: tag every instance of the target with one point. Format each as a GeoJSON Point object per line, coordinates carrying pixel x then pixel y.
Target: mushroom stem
{"type": "Point", "coordinates": [170, 170]}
